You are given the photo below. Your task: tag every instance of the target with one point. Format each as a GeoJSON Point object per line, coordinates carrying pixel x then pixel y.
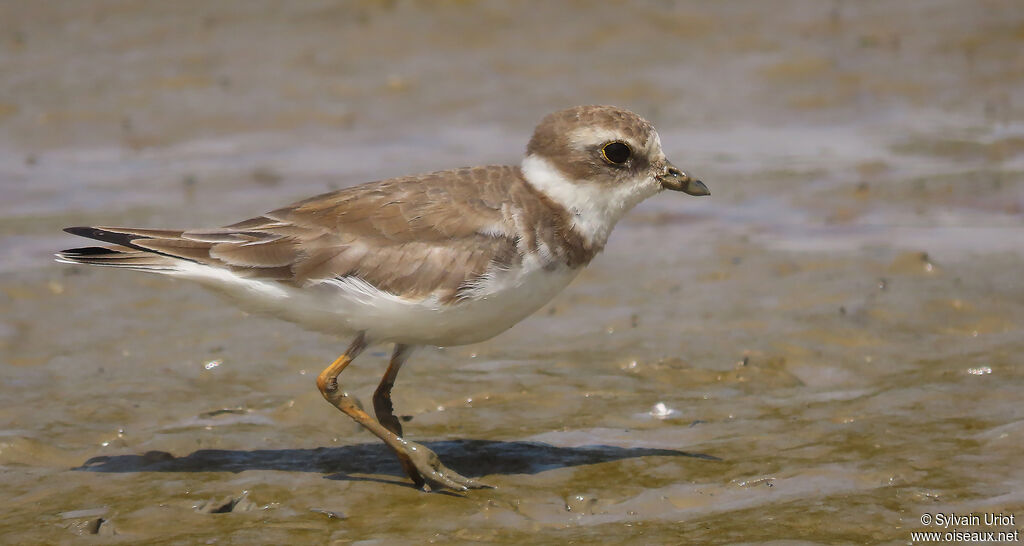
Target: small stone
{"type": "Point", "coordinates": [331, 514]}
{"type": "Point", "coordinates": [225, 505]}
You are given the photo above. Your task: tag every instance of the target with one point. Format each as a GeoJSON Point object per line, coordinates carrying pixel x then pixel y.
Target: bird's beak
{"type": "Point", "coordinates": [676, 180]}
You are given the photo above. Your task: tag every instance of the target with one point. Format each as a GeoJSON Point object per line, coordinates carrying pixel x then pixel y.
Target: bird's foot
{"type": "Point", "coordinates": [426, 470]}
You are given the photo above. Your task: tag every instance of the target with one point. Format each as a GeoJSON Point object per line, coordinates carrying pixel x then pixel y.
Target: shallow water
{"type": "Point", "coordinates": [824, 350]}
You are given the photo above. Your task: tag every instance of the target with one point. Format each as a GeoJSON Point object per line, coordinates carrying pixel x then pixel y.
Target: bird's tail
{"type": "Point", "coordinates": [124, 254]}
{"type": "Point", "coordinates": [113, 257]}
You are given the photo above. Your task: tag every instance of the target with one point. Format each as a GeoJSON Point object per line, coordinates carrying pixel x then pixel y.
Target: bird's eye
{"type": "Point", "coordinates": [616, 153]}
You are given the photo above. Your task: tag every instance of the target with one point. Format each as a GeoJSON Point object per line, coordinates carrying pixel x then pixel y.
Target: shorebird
{"type": "Point", "coordinates": [447, 258]}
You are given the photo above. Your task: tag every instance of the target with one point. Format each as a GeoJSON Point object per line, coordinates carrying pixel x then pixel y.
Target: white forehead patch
{"type": "Point", "coordinates": [654, 146]}
{"type": "Point", "coordinates": [655, 143]}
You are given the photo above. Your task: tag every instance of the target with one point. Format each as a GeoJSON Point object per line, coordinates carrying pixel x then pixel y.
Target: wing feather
{"type": "Point", "coordinates": [414, 236]}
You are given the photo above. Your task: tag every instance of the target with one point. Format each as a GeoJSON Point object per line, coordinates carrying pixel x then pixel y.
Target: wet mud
{"type": "Point", "coordinates": [825, 349]}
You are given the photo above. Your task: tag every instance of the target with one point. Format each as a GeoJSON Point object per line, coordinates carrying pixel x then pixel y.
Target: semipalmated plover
{"type": "Point", "coordinates": [447, 258]}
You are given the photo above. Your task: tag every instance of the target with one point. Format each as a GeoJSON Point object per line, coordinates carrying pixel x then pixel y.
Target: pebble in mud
{"type": "Point", "coordinates": [225, 505]}
{"type": "Point", "coordinates": [331, 514]}
{"type": "Point", "coordinates": [662, 411]}
{"type": "Point", "coordinates": [95, 526]}
{"type": "Point", "coordinates": [913, 262]}
{"type": "Point", "coordinates": [90, 521]}
{"type": "Point", "coordinates": [581, 504]}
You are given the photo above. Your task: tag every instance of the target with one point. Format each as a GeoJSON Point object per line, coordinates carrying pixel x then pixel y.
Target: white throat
{"type": "Point", "coordinates": [595, 208]}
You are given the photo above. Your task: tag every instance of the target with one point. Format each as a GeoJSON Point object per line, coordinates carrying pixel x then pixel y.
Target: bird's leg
{"type": "Point", "coordinates": [421, 463]}
{"type": "Point", "coordinates": [382, 406]}
{"type": "Point", "coordinates": [385, 410]}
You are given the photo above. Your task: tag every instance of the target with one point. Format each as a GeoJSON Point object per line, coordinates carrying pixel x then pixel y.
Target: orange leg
{"type": "Point", "coordinates": [422, 464]}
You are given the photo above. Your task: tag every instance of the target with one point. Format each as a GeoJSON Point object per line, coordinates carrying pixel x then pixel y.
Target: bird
{"type": "Point", "coordinates": [442, 259]}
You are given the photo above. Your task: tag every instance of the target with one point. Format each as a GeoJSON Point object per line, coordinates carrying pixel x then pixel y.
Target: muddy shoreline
{"type": "Point", "coordinates": [824, 350]}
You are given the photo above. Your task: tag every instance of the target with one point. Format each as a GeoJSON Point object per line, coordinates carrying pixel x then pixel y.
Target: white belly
{"type": "Point", "coordinates": [346, 306]}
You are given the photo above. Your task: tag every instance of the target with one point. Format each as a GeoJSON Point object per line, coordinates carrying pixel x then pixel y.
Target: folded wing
{"type": "Point", "coordinates": [415, 237]}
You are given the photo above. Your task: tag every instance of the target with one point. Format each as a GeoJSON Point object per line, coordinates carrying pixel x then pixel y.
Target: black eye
{"type": "Point", "coordinates": [616, 153]}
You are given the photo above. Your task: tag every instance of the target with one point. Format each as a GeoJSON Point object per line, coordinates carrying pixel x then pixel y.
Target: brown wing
{"type": "Point", "coordinates": [412, 236]}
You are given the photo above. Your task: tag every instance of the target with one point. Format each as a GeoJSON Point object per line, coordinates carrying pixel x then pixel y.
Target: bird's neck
{"type": "Point", "coordinates": [594, 209]}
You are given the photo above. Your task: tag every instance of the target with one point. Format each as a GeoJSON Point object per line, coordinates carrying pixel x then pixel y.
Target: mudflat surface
{"type": "Point", "coordinates": [824, 350]}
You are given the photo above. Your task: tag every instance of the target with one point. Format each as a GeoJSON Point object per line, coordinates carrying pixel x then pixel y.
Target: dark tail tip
{"type": "Point", "coordinates": [112, 237]}
{"type": "Point", "coordinates": [82, 231]}
{"type": "Point", "coordinates": [84, 252]}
